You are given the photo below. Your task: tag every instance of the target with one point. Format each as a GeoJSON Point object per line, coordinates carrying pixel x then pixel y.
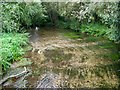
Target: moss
{"type": "Point", "coordinates": [109, 56]}
{"type": "Point", "coordinates": [109, 45]}
{"type": "Point", "coordinates": [92, 39]}
{"type": "Point", "coordinates": [72, 35]}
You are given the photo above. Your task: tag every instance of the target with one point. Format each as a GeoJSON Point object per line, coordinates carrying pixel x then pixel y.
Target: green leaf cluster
{"type": "Point", "coordinates": [11, 48]}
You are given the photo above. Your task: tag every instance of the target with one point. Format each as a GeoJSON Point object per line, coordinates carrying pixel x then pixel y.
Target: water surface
{"type": "Point", "coordinates": [79, 61]}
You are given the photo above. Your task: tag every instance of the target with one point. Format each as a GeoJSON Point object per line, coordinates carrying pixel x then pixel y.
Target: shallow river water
{"type": "Point", "coordinates": [85, 61]}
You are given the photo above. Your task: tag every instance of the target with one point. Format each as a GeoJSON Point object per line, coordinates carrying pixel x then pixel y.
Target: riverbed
{"type": "Point", "coordinates": [77, 60]}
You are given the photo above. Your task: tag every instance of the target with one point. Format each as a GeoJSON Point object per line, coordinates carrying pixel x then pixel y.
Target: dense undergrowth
{"type": "Point", "coordinates": [95, 29]}
{"type": "Point", "coordinates": [12, 48]}
{"type": "Point", "coordinates": [90, 28]}
{"type": "Point", "coordinates": [16, 18]}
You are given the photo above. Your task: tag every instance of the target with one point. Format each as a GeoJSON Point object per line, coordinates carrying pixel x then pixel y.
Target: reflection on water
{"type": "Point", "coordinates": [77, 63]}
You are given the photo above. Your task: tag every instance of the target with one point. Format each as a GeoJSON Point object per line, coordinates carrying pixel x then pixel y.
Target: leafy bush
{"type": "Point", "coordinates": [10, 17]}
{"type": "Point", "coordinates": [96, 29]}
{"type": "Point", "coordinates": [108, 12]}
{"type": "Point", "coordinates": [89, 12]}
{"type": "Point", "coordinates": [75, 25]}
{"type": "Point", "coordinates": [71, 24]}
{"type": "Point", "coordinates": [32, 14]}
{"type": "Point", "coordinates": [16, 16]}
{"type": "Point", "coordinates": [12, 47]}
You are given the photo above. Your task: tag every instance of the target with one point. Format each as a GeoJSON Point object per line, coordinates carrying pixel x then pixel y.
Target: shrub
{"type": "Point", "coordinates": [16, 16]}
{"type": "Point", "coordinates": [10, 17]}
{"type": "Point", "coordinates": [70, 24]}
{"type": "Point", "coordinates": [32, 14]}
{"type": "Point", "coordinates": [96, 29]}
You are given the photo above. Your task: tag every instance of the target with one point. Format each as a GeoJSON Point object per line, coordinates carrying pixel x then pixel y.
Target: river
{"type": "Point", "coordinates": [85, 61]}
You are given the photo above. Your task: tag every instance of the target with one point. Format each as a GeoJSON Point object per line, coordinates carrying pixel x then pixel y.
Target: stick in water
{"type": "Point", "coordinates": [3, 80]}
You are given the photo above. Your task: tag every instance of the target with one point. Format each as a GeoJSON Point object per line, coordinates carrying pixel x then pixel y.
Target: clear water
{"type": "Point", "coordinates": [85, 61]}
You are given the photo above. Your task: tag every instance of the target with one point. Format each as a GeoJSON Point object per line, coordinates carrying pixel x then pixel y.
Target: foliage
{"type": "Point", "coordinates": [32, 14]}
{"type": "Point", "coordinates": [95, 29]}
{"type": "Point", "coordinates": [75, 25]}
{"type": "Point", "coordinates": [89, 12]}
{"type": "Point", "coordinates": [10, 17]}
{"type": "Point", "coordinates": [16, 16]}
{"type": "Point", "coordinates": [82, 12]}
{"type": "Point", "coordinates": [108, 12]}
{"type": "Point", "coordinates": [98, 29]}
{"type": "Point", "coordinates": [12, 47]}
{"type": "Point", "coordinates": [70, 24]}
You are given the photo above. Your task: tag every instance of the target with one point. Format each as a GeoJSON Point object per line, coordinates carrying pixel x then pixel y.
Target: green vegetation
{"type": "Point", "coordinates": [94, 18]}
{"type": "Point", "coordinates": [70, 24]}
{"type": "Point", "coordinates": [16, 18]}
{"type": "Point", "coordinates": [12, 47]}
{"type": "Point", "coordinates": [85, 21]}
{"type": "Point", "coordinates": [95, 29]}
{"type": "Point", "coordinates": [10, 17]}
{"type": "Point", "coordinates": [72, 35]}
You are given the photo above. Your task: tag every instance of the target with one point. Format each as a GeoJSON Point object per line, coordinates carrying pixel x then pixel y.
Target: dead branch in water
{"type": "Point", "coordinates": [11, 76]}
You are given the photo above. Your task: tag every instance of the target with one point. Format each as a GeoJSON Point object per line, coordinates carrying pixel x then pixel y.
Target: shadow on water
{"type": "Point", "coordinates": [79, 62]}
